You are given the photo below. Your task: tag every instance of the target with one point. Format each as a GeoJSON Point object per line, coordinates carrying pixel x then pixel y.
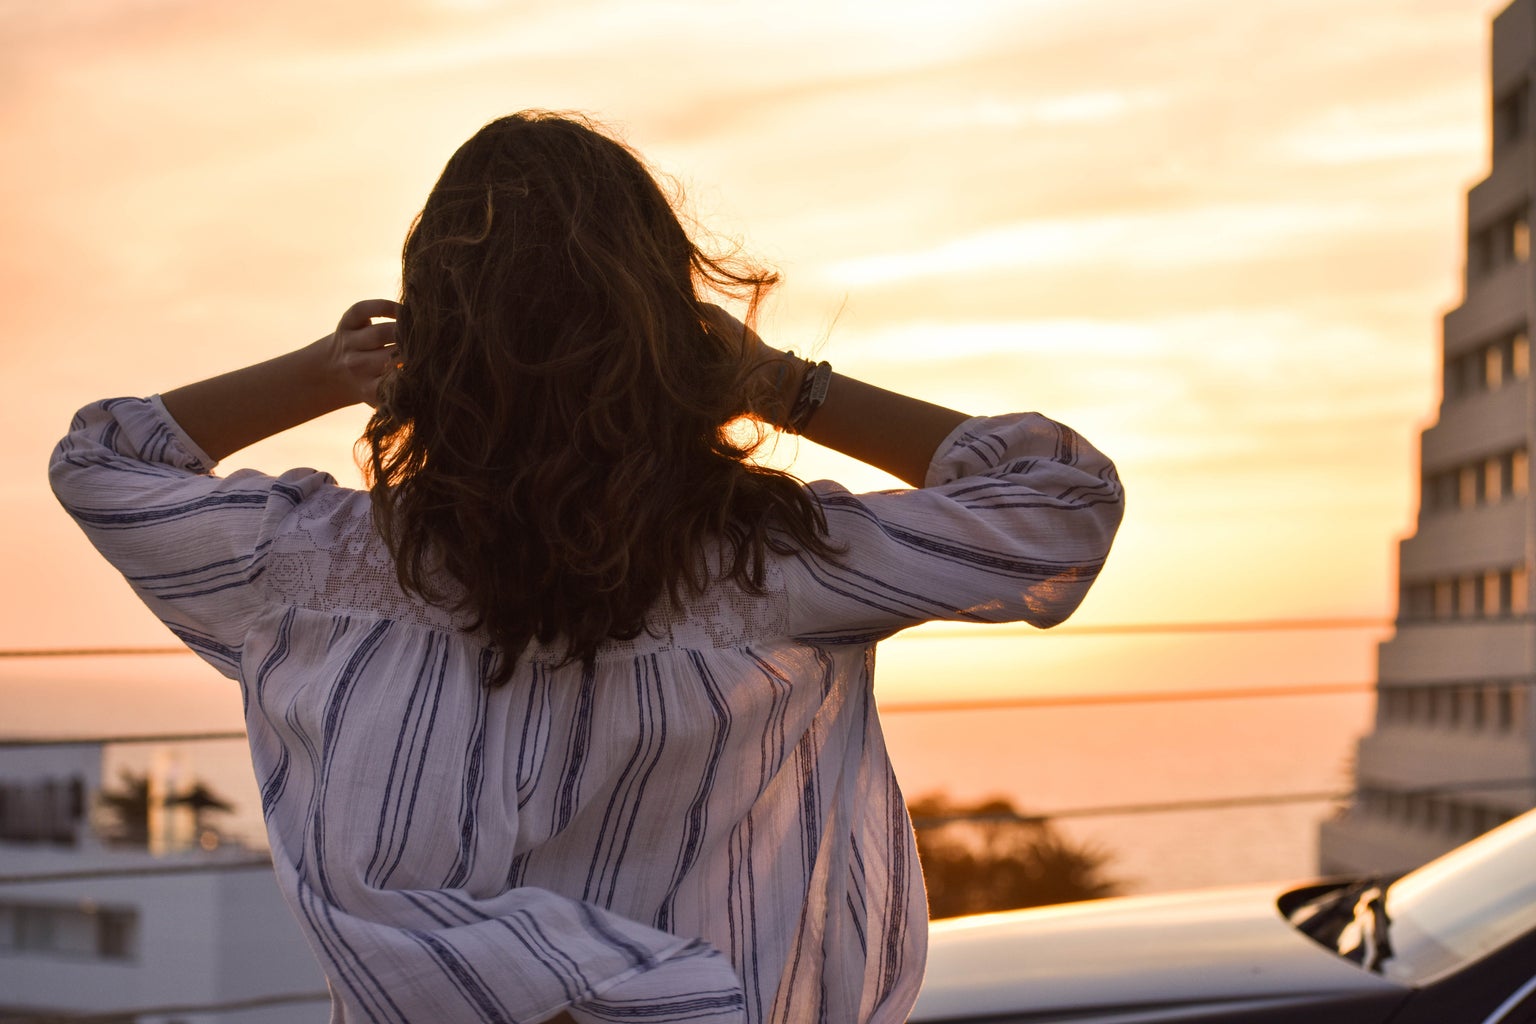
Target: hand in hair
{"type": "Point", "coordinates": [770, 378]}
{"type": "Point", "coordinates": [360, 352]}
{"type": "Point", "coordinates": [885, 429]}
{"type": "Point", "coordinates": [224, 414]}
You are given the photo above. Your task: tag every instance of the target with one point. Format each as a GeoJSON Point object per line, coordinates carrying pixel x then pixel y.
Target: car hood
{"type": "Point", "coordinates": [1211, 946]}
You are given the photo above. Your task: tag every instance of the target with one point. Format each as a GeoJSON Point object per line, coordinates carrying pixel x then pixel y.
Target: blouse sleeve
{"type": "Point", "coordinates": [189, 543]}
{"type": "Point", "coordinates": [1013, 524]}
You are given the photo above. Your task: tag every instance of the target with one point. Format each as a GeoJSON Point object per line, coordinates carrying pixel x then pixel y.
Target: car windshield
{"type": "Point", "coordinates": [1455, 909]}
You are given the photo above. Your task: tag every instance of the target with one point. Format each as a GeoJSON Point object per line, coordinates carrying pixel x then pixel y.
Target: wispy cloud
{"type": "Point", "coordinates": [1187, 239]}
{"type": "Point", "coordinates": [1200, 230]}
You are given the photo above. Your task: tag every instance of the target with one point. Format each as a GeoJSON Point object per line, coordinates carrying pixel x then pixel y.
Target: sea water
{"type": "Point", "coordinates": [1064, 760]}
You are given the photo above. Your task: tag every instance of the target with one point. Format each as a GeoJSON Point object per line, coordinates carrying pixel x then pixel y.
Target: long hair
{"type": "Point", "coordinates": [554, 438]}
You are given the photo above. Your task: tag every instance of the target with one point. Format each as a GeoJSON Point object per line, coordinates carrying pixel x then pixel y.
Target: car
{"type": "Point", "coordinates": [1452, 942]}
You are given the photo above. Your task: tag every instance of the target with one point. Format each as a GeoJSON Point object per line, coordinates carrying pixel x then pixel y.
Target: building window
{"type": "Point", "coordinates": [1445, 599]}
{"type": "Point", "coordinates": [1418, 601]}
{"type": "Point", "coordinates": [1493, 595]}
{"type": "Point", "coordinates": [1511, 116]}
{"type": "Point", "coordinates": [1470, 487]}
{"type": "Point", "coordinates": [1493, 368]}
{"type": "Point", "coordinates": [1496, 593]}
{"type": "Point", "coordinates": [1438, 491]}
{"type": "Point", "coordinates": [1492, 365]}
{"type": "Point", "coordinates": [1504, 242]}
{"type": "Point", "coordinates": [1496, 707]}
{"type": "Point", "coordinates": [69, 930]}
{"type": "Point", "coordinates": [1469, 597]}
{"type": "Point", "coordinates": [1487, 481]}
{"type": "Point", "coordinates": [1480, 252]}
{"type": "Point", "coordinates": [1450, 815]}
{"type": "Point", "coordinates": [42, 811]}
{"type": "Point", "coordinates": [115, 933]}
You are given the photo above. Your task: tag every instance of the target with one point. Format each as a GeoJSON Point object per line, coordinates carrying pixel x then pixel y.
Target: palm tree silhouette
{"type": "Point", "coordinates": [128, 807]}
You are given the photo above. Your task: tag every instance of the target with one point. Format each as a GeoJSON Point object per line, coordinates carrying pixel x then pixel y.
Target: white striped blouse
{"type": "Point", "coordinates": [702, 827]}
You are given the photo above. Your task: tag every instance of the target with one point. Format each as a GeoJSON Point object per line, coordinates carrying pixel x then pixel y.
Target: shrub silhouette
{"type": "Point", "coordinates": [989, 856]}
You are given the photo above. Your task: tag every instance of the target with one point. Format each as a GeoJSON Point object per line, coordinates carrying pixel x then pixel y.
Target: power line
{"type": "Point", "coordinates": [933, 630]}
{"type": "Point", "coordinates": [1119, 810]}
{"type": "Point", "coordinates": [1212, 626]}
{"type": "Point", "coordinates": [89, 652]}
{"type": "Point", "coordinates": [1219, 803]}
{"type": "Point", "coordinates": [1131, 697]}
{"type": "Point", "coordinates": [897, 708]}
{"type": "Point", "coordinates": [1209, 804]}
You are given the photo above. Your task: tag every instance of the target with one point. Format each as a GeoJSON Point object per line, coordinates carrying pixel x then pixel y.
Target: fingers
{"type": "Point", "coordinates": [361, 314]}
{"type": "Point", "coordinates": [369, 336]}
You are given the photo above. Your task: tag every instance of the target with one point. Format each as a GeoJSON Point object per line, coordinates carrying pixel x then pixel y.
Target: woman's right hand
{"type": "Point", "coordinates": [770, 378]}
{"type": "Point", "coordinates": [359, 353]}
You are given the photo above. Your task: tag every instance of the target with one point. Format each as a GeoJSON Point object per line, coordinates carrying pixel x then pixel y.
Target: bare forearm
{"type": "Point", "coordinates": [226, 413]}
{"type": "Point", "coordinates": [884, 429]}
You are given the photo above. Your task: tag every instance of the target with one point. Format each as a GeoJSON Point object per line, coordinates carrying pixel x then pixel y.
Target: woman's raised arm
{"type": "Point", "coordinates": [884, 429]}
{"type": "Point", "coordinates": [226, 413]}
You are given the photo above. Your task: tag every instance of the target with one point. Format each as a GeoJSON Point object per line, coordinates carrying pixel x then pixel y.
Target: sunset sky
{"type": "Point", "coordinates": [1215, 238]}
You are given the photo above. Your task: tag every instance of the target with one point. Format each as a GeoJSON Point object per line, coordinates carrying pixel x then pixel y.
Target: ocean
{"type": "Point", "coordinates": [1075, 761]}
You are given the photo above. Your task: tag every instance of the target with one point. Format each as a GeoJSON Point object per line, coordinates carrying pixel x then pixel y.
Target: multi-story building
{"type": "Point", "coordinates": [170, 925]}
{"type": "Point", "coordinates": [1453, 752]}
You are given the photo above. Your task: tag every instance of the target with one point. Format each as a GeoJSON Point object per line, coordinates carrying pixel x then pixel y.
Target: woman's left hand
{"type": "Point", "coordinates": [770, 378]}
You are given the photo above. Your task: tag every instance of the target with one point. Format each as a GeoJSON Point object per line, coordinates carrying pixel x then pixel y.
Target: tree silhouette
{"type": "Point", "coordinates": [988, 856]}
{"type": "Point", "coordinates": [127, 807]}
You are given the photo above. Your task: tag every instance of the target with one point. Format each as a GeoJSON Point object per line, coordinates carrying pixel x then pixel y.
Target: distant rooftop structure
{"type": "Point", "coordinates": [1453, 752]}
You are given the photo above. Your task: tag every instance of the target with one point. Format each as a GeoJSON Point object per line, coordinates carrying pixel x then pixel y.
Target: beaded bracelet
{"type": "Point", "coordinates": [813, 392]}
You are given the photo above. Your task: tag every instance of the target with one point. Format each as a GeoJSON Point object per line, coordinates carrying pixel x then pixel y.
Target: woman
{"type": "Point", "coordinates": [572, 710]}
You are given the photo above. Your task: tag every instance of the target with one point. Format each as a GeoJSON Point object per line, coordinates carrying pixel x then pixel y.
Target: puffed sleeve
{"type": "Point", "coordinates": [1013, 524]}
{"type": "Point", "coordinates": [189, 543]}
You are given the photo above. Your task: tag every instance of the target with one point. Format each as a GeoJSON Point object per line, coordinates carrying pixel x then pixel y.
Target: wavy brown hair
{"type": "Point", "coordinates": [555, 436]}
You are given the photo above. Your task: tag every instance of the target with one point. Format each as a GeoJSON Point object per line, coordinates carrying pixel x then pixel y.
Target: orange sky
{"type": "Point", "coordinates": [1216, 238]}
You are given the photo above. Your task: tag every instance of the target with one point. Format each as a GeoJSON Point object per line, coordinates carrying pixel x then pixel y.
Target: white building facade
{"type": "Point", "coordinates": [1453, 751]}
{"type": "Point", "coordinates": [155, 932]}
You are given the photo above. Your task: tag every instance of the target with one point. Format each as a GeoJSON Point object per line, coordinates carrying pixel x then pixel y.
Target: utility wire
{"type": "Point", "coordinates": [936, 821]}
{"type": "Point", "coordinates": [898, 707]}
{"type": "Point", "coordinates": [1118, 810]}
{"type": "Point", "coordinates": [949, 629]}
{"type": "Point", "coordinates": [89, 652]}
{"type": "Point", "coordinates": [1072, 700]}
{"type": "Point", "coordinates": [1211, 804]}
{"type": "Point", "coordinates": [922, 822]}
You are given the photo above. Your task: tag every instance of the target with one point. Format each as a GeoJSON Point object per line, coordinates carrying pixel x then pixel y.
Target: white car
{"type": "Point", "coordinates": [1453, 942]}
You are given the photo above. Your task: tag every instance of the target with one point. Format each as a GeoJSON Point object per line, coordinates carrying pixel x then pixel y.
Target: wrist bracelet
{"type": "Point", "coordinates": [813, 392]}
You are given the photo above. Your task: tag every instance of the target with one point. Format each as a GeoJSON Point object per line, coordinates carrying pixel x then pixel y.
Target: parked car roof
{"type": "Point", "coordinates": [1356, 950]}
